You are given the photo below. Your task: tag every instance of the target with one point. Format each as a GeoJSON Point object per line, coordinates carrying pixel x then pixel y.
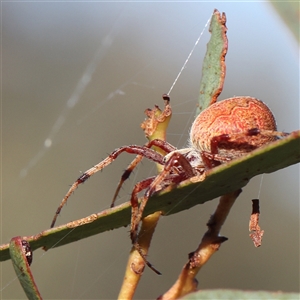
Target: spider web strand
{"type": "Point", "coordinates": [189, 56]}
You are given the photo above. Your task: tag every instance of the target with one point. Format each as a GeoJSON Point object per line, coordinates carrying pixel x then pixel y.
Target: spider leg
{"type": "Point", "coordinates": [133, 149]}
{"type": "Point", "coordinates": [158, 143]}
{"type": "Point", "coordinates": [213, 158]}
{"type": "Point", "coordinates": [256, 131]}
{"type": "Point", "coordinates": [135, 211]}
{"type": "Point", "coordinates": [135, 202]}
{"type": "Point", "coordinates": [240, 135]}
{"type": "Point", "coordinates": [144, 184]}
{"type": "Point", "coordinates": [134, 206]}
{"type": "Point", "coordinates": [125, 176]}
{"type": "Point", "coordinates": [140, 251]}
{"type": "Point", "coordinates": [176, 159]}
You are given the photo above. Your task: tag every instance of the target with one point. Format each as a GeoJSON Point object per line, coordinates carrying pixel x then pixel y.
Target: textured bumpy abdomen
{"type": "Point", "coordinates": [235, 117]}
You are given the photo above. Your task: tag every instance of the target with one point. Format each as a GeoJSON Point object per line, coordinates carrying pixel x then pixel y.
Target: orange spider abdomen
{"type": "Point", "coordinates": [233, 118]}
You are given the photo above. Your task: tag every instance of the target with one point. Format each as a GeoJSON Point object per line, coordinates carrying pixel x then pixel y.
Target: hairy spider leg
{"type": "Point", "coordinates": [213, 159]}
{"type": "Point", "coordinates": [132, 149]}
{"type": "Point", "coordinates": [134, 195]}
{"type": "Point", "coordinates": [167, 147]}
{"type": "Point", "coordinates": [134, 205]}
{"type": "Point", "coordinates": [214, 143]}
{"type": "Point", "coordinates": [140, 251]}
{"type": "Point", "coordinates": [175, 160]}
{"type": "Point", "coordinates": [125, 176]}
{"type": "Point", "coordinates": [134, 208]}
{"type": "Point", "coordinates": [144, 184]}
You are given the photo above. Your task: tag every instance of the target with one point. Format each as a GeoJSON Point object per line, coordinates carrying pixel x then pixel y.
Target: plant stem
{"type": "Point", "coordinates": [136, 264]}
{"type": "Point", "coordinates": [210, 243]}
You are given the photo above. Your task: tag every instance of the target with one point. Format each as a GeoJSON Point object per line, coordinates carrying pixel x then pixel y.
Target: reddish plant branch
{"type": "Point", "coordinates": [210, 243]}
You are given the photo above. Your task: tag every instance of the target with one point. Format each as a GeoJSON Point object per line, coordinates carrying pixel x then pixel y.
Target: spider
{"type": "Point", "coordinates": [225, 130]}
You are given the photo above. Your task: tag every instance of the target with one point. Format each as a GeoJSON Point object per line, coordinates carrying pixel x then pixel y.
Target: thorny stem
{"type": "Point", "coordinates": [210, 243]}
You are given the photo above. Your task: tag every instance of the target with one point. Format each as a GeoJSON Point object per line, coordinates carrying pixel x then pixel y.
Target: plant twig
{"type": "Point", "coordinates": [210, 243]}
{"type": "Point", "coordinates": [136, 263]}
{"type": "Point", "coordinates": [155, 127]}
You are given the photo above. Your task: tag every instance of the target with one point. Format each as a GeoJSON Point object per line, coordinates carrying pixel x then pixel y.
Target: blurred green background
{"type": "Point", "coordinates": [57, 123]}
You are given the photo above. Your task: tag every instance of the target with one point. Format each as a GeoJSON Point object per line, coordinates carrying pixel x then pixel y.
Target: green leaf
{"type": "Point", "coordinates": [236, 294]}
{"type": "Point", "coordinates": [219, 181]}
{"type": "Point", "coordinates": [21, 263]}
{"type": "Point", "coordinates": [214, 68]}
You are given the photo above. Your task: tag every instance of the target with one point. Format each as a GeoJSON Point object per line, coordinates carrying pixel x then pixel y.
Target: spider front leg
{"type": "Point", "coordinates": [134, 206]}
{"type": "Point", "coordinates": [176, 169]}
{"type": "Point", "coordinates": [133, 149]}
{"type": "Point", "coordinates": [158, 143]}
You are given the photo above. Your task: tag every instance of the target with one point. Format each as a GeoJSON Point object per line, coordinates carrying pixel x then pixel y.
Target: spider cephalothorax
{"type": "Point", "coordinates": [224, 131]}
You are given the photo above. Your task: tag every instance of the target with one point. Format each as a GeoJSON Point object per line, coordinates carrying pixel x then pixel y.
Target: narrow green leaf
{"type": "Point", "coordinates": [214, 68]}
{"type": "Point", "coordinates": [219, 181]}
{"type": "Point", "coordinates": [21, 257]}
